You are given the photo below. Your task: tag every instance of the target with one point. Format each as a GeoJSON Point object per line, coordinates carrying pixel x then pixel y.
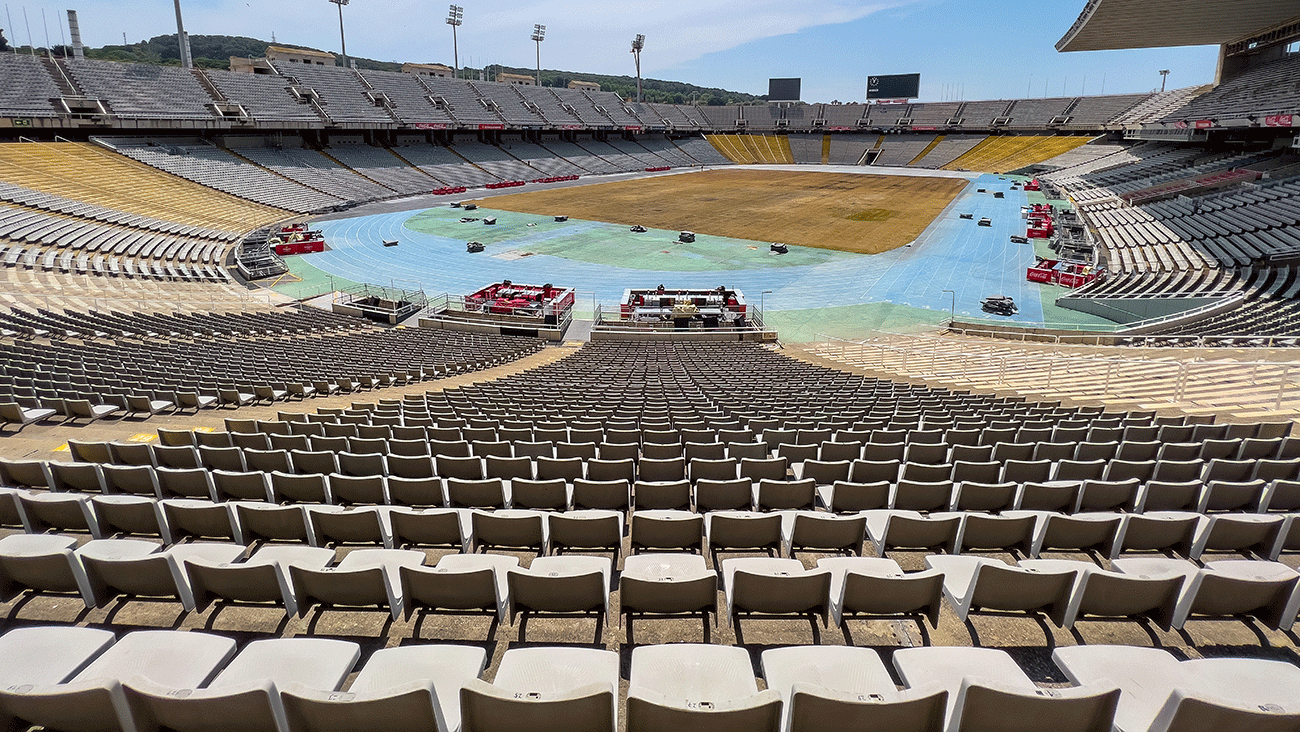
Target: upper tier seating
{"type": "Point", "coordinates": [409, 97]}
{"type": "Point", "coordinates": [27, 90]}
{"type": "Point", "coordinates": [342, 95]}
{"type": "Point", "coordinates": [142, 91]}
{"type": "Point", "coordinates": [1273, 88]}
{"type": "Point", "coordinates": [263, 96]}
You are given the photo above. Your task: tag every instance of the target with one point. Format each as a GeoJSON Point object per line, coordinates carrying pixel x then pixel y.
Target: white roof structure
{"type": "Point", "coordinates": [1119, 24]}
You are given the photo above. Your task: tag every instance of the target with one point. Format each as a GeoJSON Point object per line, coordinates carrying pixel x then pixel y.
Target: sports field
{"type": "Point", "coordinates": [865, 214]}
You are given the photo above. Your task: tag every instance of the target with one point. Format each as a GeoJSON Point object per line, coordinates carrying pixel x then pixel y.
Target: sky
{"type": "Point", "coordinates": [963, 49]}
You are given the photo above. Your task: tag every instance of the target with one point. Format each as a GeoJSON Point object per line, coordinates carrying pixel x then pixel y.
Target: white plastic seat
{"type": "Point", "coordinates": [690, 687]}
{"type": "Point", "coordinates": [972, 583]}
{"type": "Point", "coordinates": [246, 694]}
{"type": "Point", "coordinates": [545, 690]}
{"type": "Point", "coordinates": [398, 689]}
{"type": "Point", "coordinates": [830, 687]}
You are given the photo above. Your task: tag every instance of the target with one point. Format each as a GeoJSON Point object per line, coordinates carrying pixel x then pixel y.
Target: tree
{"type": "Point", "coordinates": [4, 43]}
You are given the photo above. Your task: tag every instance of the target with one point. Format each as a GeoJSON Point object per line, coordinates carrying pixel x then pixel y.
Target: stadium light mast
{"type": "Point", "coordinates": [539, 35]}
{"type": "Point", "coordinates": [637, 45]}
{"type": "Point", "coordinates": [186, 60]}
{"type": "Point", "coordinates": [455, 17]}
{"type": "Point", "coordinates": [343, 41]}
{"type": "Point", "coordinates": [1164, 76]}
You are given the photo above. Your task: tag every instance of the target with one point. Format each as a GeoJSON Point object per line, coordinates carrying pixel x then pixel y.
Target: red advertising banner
{"type": "Point", "coordinates": [492, 127]}
{"type": "Point", "coordinates": [1204, 124]}
{"type": "Point", "coordinates": [632, 129]}
{"type": "Point", "coordinates": [431, 126]}
{"type": "Point", "coordinates": [1280, 120]}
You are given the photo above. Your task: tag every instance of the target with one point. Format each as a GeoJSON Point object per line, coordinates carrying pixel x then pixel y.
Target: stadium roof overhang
{"type": "Point", "coordinates": [1106, 25]}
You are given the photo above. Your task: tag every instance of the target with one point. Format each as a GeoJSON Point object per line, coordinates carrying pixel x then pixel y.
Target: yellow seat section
{"type": "Point", "coordinates": [732, 147]}
{"type": "Point", "coordinates": [86, 172]}
{"type": "Point", "coordinates": [1003, 153]}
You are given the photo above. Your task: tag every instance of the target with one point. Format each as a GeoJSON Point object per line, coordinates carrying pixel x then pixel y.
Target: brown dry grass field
{"type": "Point", "coordinates": [865, 214]}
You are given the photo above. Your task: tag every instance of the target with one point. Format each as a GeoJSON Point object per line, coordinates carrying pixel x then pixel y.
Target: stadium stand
{"type": "Point", "coordinates": [1088, 112]}
{"type": "Point", "coordinates": [445, 165]}
{"type": "Point", "coordinates": [378, 164]}
{"type": "Point", "coordinates": [342, 94]}
{"type": "Point", "coordinates": [265, 97]}
{"type": "Point", "coordinates": [496, 160]}
{"type": "Point", "coordinates": [409, 98]}
{"type": "Point", "coordinates": [221, 170]}
{"type": "Point", "coordinates": [849, 150]}
{"type": "Point", "coordinates": [844, 115]}
{"type": "Point", "coordinates": [88, 173]}
{"type": "Point", "coordinates": [948, 149]}
{"type": "Point", "coordinates": [579, 104]}
{"type": "Point", "coordinates": [142, 91]}
{"type": "Point", "coordinates": [1004, 153]}
{"type": "Point", "coordinates": [316, 170]}
{"type": "Point", "coordinates": [1157, 106]}
{"type": "Point", "coordinates": [934, 113]}
{"type": "Point", "coordinates": [806, 149]}
{"type": "Point", "coordinates": [540, 158]}
{"type": "Point", "coordinates": [1269, 89]}
{"type": "Point", "coordinates": [586, 161]}
{"type": "Point", "coordinates": [28, 90]}
{"type": "Point", "coordinates": [462, 101]}
{"type": "Point", "coordinates": [624, 155]}
{"type": "Point", "coordinates": [900, 150]}
{"type": "Point", "coordinates": [1036, 113]}
{"type": "Point", "coordinates": [508, 101]}
{"type": "Point", "coordinates": [700, 149]}
{"type": "Point", "coordinates": [984, 115]}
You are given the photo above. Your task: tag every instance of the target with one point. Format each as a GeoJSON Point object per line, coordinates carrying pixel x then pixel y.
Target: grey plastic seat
{"type": "Point", "coordinates": [775, 586]}
{"type": "Point", "coordinates": [1157, 531]}
{"type": "Point", "coordinates": [200, 519]}
{"type": "Point", "coordinates": [743, 530]}
{"type": "Point", "coordinates": [134, 568]}
{"type": "Point", "coordinates": [43, 656]}
{"type": "Point", "coordinates": [668, 530]}
{"type": "Point", "coordinates": [667, 584]}
{"type": "Point", "coordinates": [263, 578]}
{"type": "Point", "coordinates": [561, 584]}
{"type": "Point", "coordinates": [43, 563]}
{"type": "Point", "coordinates": [241, 486]}
{"type": "Point", "coordinates": [354, 525]}
{"type": "Point", "coordinates": [988, 692]}
{"type": "Point", "coordinates": [891, 528]}
{"type": "Point", "coordinates": [509, 527]}
{"type": "Point", "coordinates": [830, 687]}
{"type": "Point", "coordinates": [977, 583]}
{"type": "Point", "coordinates": [398, 689]}
{"type": "Point", "coordinates": [1073, 532]}
{"type": "Point", "coordinates": [545, 690]}
{"type": "Point", "coordinates": [1162, 694]}
{"type": "Point", "coordinates": [427, 527]}
{"type": "Point", "coordinates": [820, 531]}
{"type": "Point", "coordinates": [1106, 594]}
{"type": "Point", "coordinates": [692, 687]}
{"type": "Point", "coordinates": [364, 577]}
{"type": "Point", "coordinates": [59, 511]}
{"type": "Point", "coordinates": [127, 514]}
{"type": "Point", "coordinates": [1259, 589]}
{"type": "Point", "coordinates": [476, 493]}
{"type": "Point", "coordinates": [585, 529]}
{"type": "Point", "coordinates": [874, 587]}
{"type": "Point", "coordinates": [458, 583]}
{"type": "Point", "coordinates": [262, 521]}
{"type": "Point", "coordinates": [94, 699]}
{"type": "Point", "coordinates": [246, 693]}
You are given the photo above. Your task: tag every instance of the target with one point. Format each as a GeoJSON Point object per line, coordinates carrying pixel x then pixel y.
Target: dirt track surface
{"type": "Point", "coordinates": [866, 214]}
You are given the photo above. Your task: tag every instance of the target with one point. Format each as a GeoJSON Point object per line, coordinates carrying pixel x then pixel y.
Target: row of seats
{"type": "Point", "coordinates": [70, 678]}
{"type": "Point", "coordinates": [1164, 591]}
{"type": "Point", "coordinates": [544, 482]}
{"type": "Point", "coordinates": [544, 517]}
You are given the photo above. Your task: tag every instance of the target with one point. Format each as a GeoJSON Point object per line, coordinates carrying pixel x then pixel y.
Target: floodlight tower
{"type": "Point", "coordinates": [637, 45]}
{"type": "Point", "coordinates": [187, 61]}
{"type": "Point", "coordinates": [1164, 76]}
{"type": "Point", "coordinates": [539, 35]}
{"type": "Point", "coordinates": [455, 16]}
{"type": "Point", "coordinates": [343, 41]}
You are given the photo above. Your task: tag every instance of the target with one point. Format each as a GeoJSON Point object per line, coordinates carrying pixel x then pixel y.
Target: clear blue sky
{"type": "Point", "coordinates": [971, 49]}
